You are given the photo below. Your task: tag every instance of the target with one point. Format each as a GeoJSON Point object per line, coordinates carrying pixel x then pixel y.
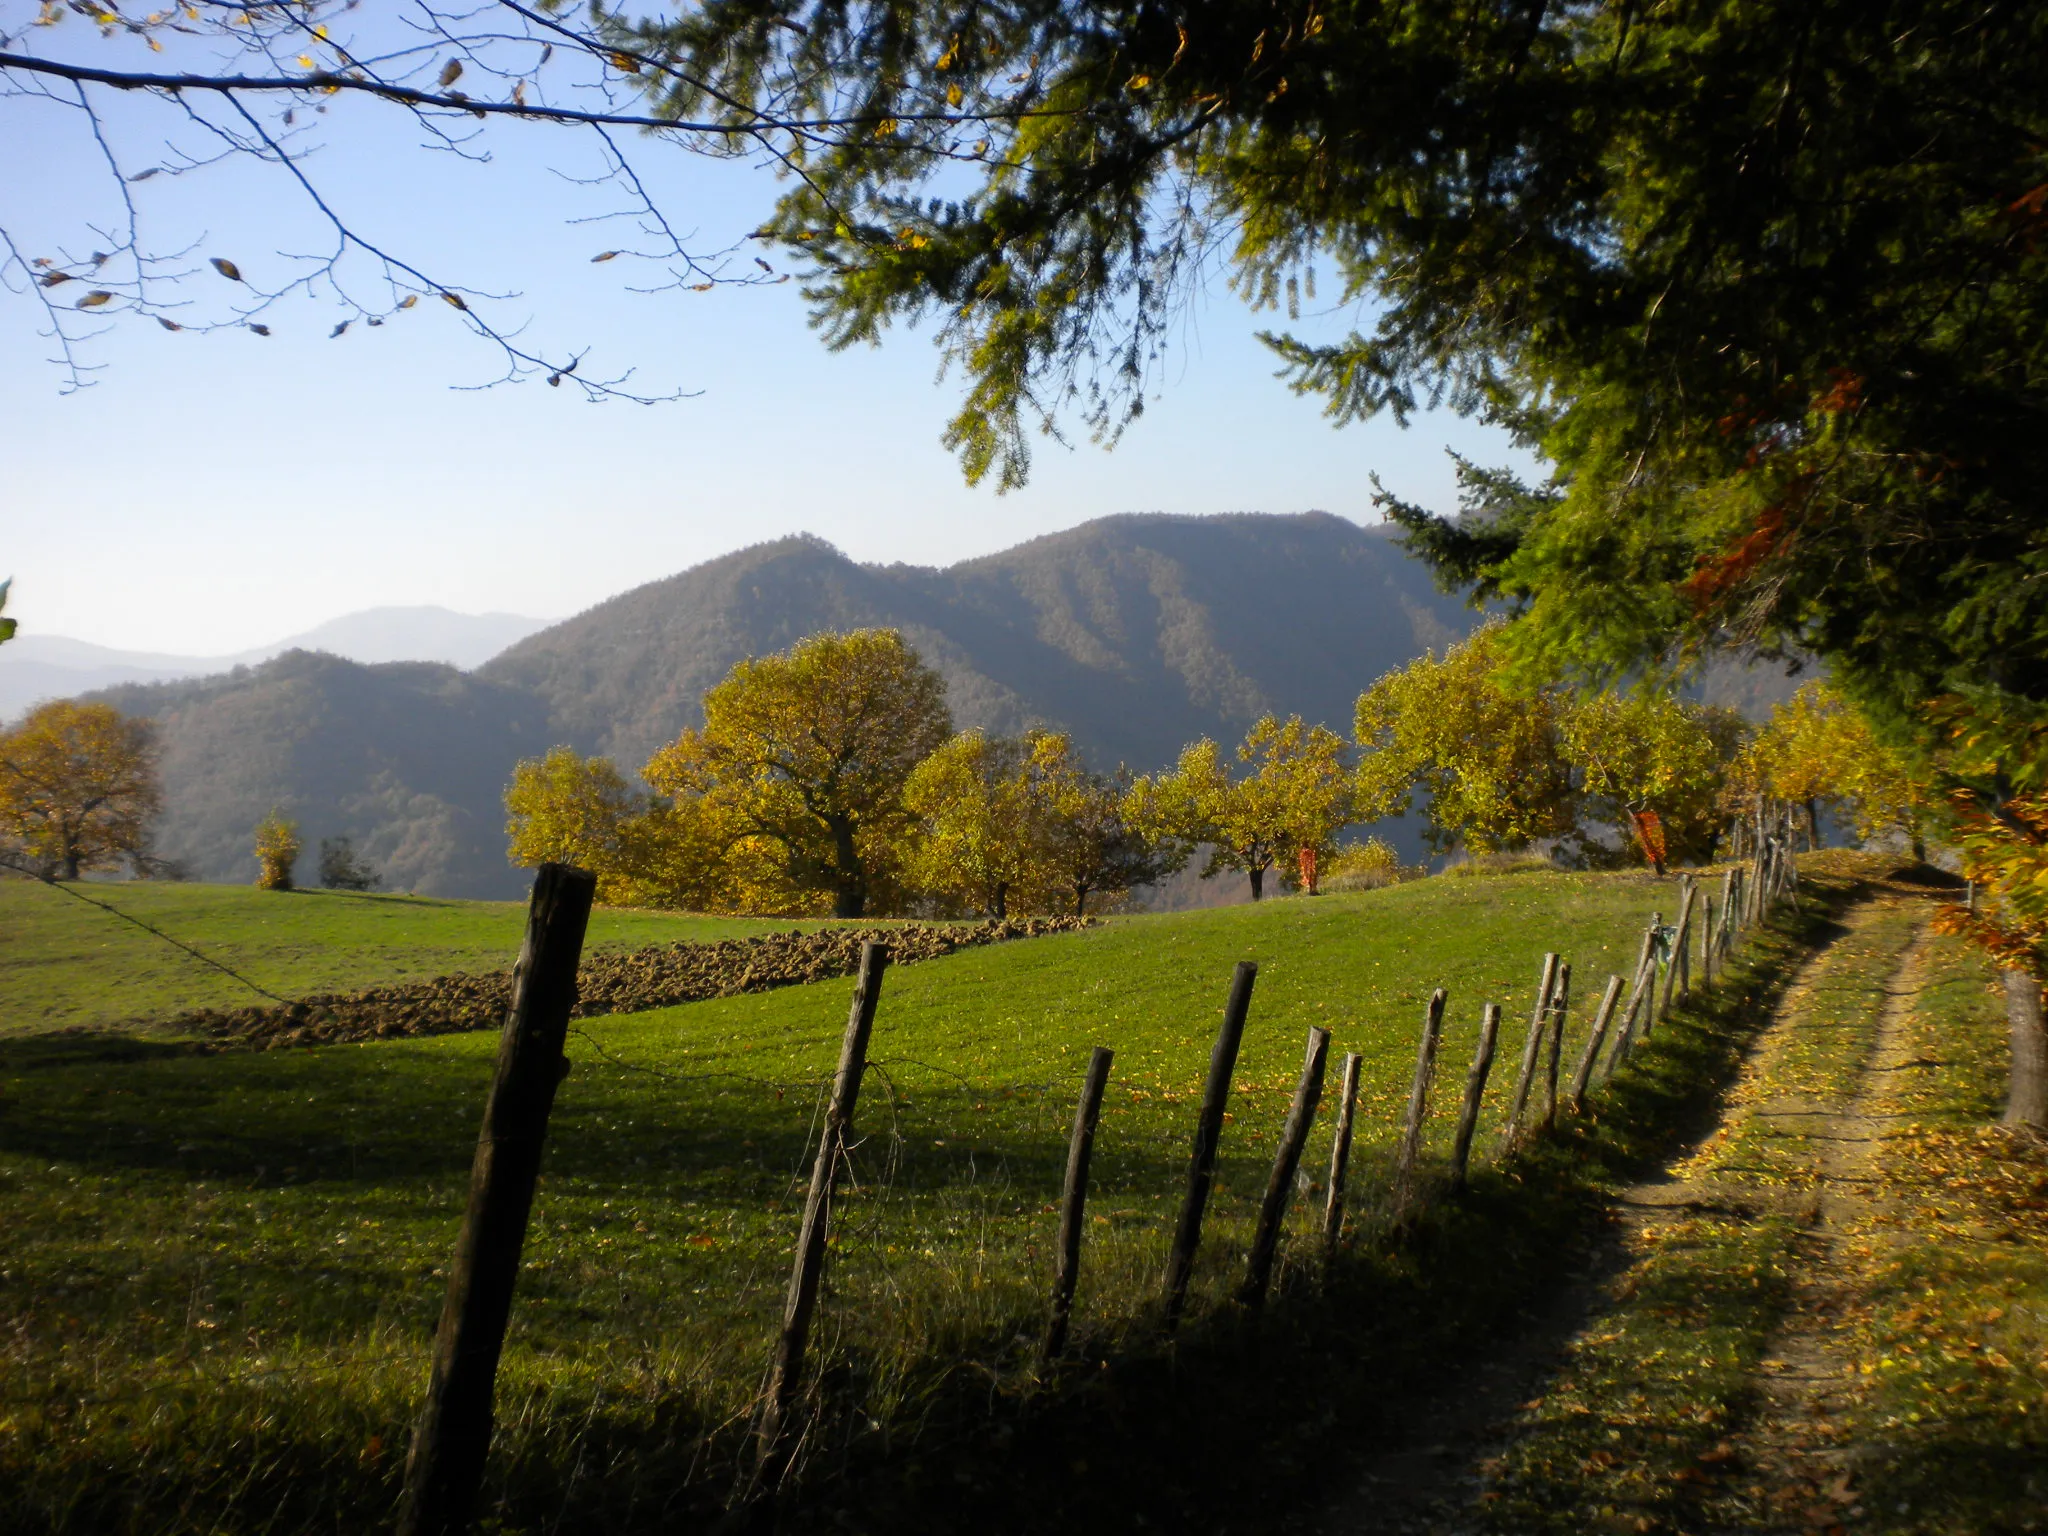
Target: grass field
{"type": "Point", "coordinates": [63, 963]}
{"type": "Point", "coordinates": [220, 1271]}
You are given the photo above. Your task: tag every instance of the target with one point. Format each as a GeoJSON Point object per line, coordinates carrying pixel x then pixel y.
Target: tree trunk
{"type": "Point", "coordinates": [1812, 825]}
{"type": "Point", "coordinates": [1258, 877]}
{"type": "Point", "coordinates": [849, 901]}
{"type": "Point", "coordinates": [1080, 901]}
{"type": "Point", "coordinates": [2027, 1104]}
{"type": "Point", "coordinates": [1000, 908]}
{"type": "Point", "coordinates": [850, 886]}
{"type": "Point", "coordinates": [71, 864]}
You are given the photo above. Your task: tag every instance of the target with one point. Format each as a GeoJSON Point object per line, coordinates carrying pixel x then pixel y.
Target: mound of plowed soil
{"type": "Point", "coordinates": [609, 981]}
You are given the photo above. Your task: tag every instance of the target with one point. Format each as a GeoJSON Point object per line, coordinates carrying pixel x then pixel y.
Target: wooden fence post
{"type": "Point", "coordinates": [1530, 1049]}
{"type": "Point", "coordinates": [1602, 1017]}
{"type": "Point", "coordinates": [1678, 940]}
{"type": "Point", "coordinates": [1561, 1004]}
{"type": "Point", "coordinates": [1187, 1236]}
{"type": "Point", "coordinates": [1475, 1092]}
{"type": "Point", "coordinates": [1340, 1159]}
{"type": "Point", "coordinates": [1644, 978]}
{"type": "Point", "coordinates": [444, 1469]}
{"type": "Point", "coordinates": [785, 1379]}
{"type": "Point", "coordinates": [1074, 1200]}
{"type": "Point", "coordinates": [1301, 1114]}
{"type": "Point", "coordinates": [1418, 1105]}
{"type": "Point", "coordinates": [1708, 939]}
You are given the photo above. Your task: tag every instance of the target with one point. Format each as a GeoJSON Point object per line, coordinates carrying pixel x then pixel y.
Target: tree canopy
{"type": "Point", "coordinates": [78, 789]}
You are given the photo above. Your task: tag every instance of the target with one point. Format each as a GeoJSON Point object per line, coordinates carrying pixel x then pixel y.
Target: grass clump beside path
{"type": "Point", "coordinates": [220, 1272]}
{"type": "Point", "coordinates": [64, 964]}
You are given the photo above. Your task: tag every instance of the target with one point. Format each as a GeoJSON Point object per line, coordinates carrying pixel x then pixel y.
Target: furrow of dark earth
{"type": "Point", "coordinates": [609, 981]}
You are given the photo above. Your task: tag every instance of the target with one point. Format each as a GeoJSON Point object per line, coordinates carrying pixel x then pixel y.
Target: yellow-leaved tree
{"type": "Point", "coordinates": [78, 789]}
{"type": "Point", "coordinates": [1818, 750]}
{"type": "Point", "coordinates": [1296, 794]}
{"type": "Point", "coordinates": [646, 851]}
{"type": "Point", "coordinates": [1095, 826]}
{"type": "Point", "coordinates": [1484, 756]}
{"type": "Point", "coordinates": [804, 756]}
{"type": "Point", "coordinates": [984, 830]}
{"type": "Point", "coordinates": [1653, 765]}
{"type": "Point", "coordinates": [277, 851]}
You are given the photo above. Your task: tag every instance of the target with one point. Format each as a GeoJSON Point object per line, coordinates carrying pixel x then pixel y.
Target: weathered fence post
{"type": "Point", "coordinates": [445, 1466]}
{"type": "Point", "coordinates": [1532, 1046]}
{"type": "Point", "coordinates": [1340, 1158]}
{"type": "Point", "coordinates": [1640, 983]}
{"type": "Point", "coordinates": [1708, 939]}
{"type": "Point", "coordinates": [1475, 1092]}
{"type": "Point", "coordinates": [1602, 1017]}
{"type": "Point", "coordinates": [785, 1378]}
{"type": "Point", "coordinates": [1074, 1200]}
{"type": "Point", "coordinates": [1678, 939]}
{"type": "Point", "coordinates": [1560, 1006]}
{"type": "Point", "coordinates": [1418, 1105]}
{"type": "Point", "coordinates": [1187, 1236]}
{"type": "Point", "coordinates": [1301, 1114]}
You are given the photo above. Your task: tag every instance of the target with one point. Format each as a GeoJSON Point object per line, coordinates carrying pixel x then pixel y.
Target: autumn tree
{"type": "Point", "coordinates": [1294, 793]}
{"type": "Point", "coordinates": [1817, 749]}
{"type": "Point", "coordinates": [1996, 772]}
{"type": "Point", "coordinates": [1486, 760]}
{"type": "Point", "coordinates": [277, 851]}
{"type": "Point", "coordinates": [1654, 764]}
{"type": "Point", "coordinates": [1095, 826]}
{"type": "Point", "coordinates": [565, 808]}
{"type": "Point", "coordinates": [808, 752]}
{"type": "Point", "coordinates": [983, 829]}
{"type": "Point", "coordinates": [78, 788]}
{"type": "Point", "coordinates": [646, 850]}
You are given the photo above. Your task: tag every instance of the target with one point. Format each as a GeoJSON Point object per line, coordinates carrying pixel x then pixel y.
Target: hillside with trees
{"type": "Point", "coordinates": [1133, 635]}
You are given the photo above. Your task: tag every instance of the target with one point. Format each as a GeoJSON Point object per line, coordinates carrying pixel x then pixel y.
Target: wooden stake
{"type": "Point", "coordinates": [1678, 938]}
{"type": "Point", "coordinates": [1527, 1077]}
{"type": "Point", "coordinates": [1640, 984]}
{"type": "Point", "coordinates": [1187, 1236]}
{"type": "Point", "coordinates": [785, 1378]}
{"type": "Point", "coordinates": [1602, 1017]}
{"type": "Point", "coordinates": [1301, 1115]}
{"type": "Point", "coordinates": [1074, 1200]}
{"type": "Point", "coordinates": [445, 1467]}
{"type": "Point", "coordinates": [1340, 1159]}
{"type": "Point", "coordinates": [1560, 1006]}
{"type": "Point", "coordinates": [1418, 1105]}
{"type": "Point", "coordinates": [1708, 940]}
{"type": "Point", "coordinates": [1475, 1092]}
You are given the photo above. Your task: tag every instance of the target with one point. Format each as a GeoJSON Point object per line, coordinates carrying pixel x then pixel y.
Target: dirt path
{"type": "Point", "coordinates": [1774, 1191]}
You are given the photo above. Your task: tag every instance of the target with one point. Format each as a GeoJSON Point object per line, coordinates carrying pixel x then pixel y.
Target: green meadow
{"type": "Point", "coordinates": [64, 963]}
{"type": "Point", "coordinates": [221, 1269]}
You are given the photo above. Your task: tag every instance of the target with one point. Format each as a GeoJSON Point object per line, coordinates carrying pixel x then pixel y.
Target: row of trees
{"type": "Point", "coordinates": [829, 779]}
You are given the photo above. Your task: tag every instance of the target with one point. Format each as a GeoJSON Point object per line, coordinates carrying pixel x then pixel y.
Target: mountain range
{"type": "Point", "coordinates": [36, 667]}
{"type": "Point", "coordinates": [1138, 634]}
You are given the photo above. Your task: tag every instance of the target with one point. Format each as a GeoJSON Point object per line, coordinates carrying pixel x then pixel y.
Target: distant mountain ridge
{"type": "Point", "coordinates": [1137, 633]}
{"type": "Point", "coordinates": [34, 667]}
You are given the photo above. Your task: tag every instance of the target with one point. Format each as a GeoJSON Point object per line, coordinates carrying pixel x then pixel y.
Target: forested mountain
{"type": "Point", "coordinates": [1138, 634]}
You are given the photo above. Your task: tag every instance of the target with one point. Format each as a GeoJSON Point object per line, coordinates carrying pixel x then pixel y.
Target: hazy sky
{"type": "Point", "coordinates": [212, 493]}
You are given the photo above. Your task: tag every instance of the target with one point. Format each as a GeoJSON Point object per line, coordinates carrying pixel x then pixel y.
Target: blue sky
{"type": "Point", "coordinates": [213, 492]}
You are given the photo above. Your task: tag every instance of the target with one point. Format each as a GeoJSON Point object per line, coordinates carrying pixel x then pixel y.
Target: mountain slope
{"type": "Point", "coordinates": [34, 667]}
{"type": "Point", "coordinates": [1136, 633]}
{"type": "Point", "coordinates": [408, 758]}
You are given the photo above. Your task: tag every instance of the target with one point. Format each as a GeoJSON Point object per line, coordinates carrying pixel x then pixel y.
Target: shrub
{"type": "Point", "coordinates": [342, 869]}
{"type": "Point", "coordinates": [1367, 866]}
{"type": "Point", "coordinates": [277, 850]}
{"type": "Point", "coordinates": [1524, 863]}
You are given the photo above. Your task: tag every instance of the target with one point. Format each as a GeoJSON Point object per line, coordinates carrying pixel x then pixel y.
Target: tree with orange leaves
{"type": "Point", "coordinates": [78, 788]}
